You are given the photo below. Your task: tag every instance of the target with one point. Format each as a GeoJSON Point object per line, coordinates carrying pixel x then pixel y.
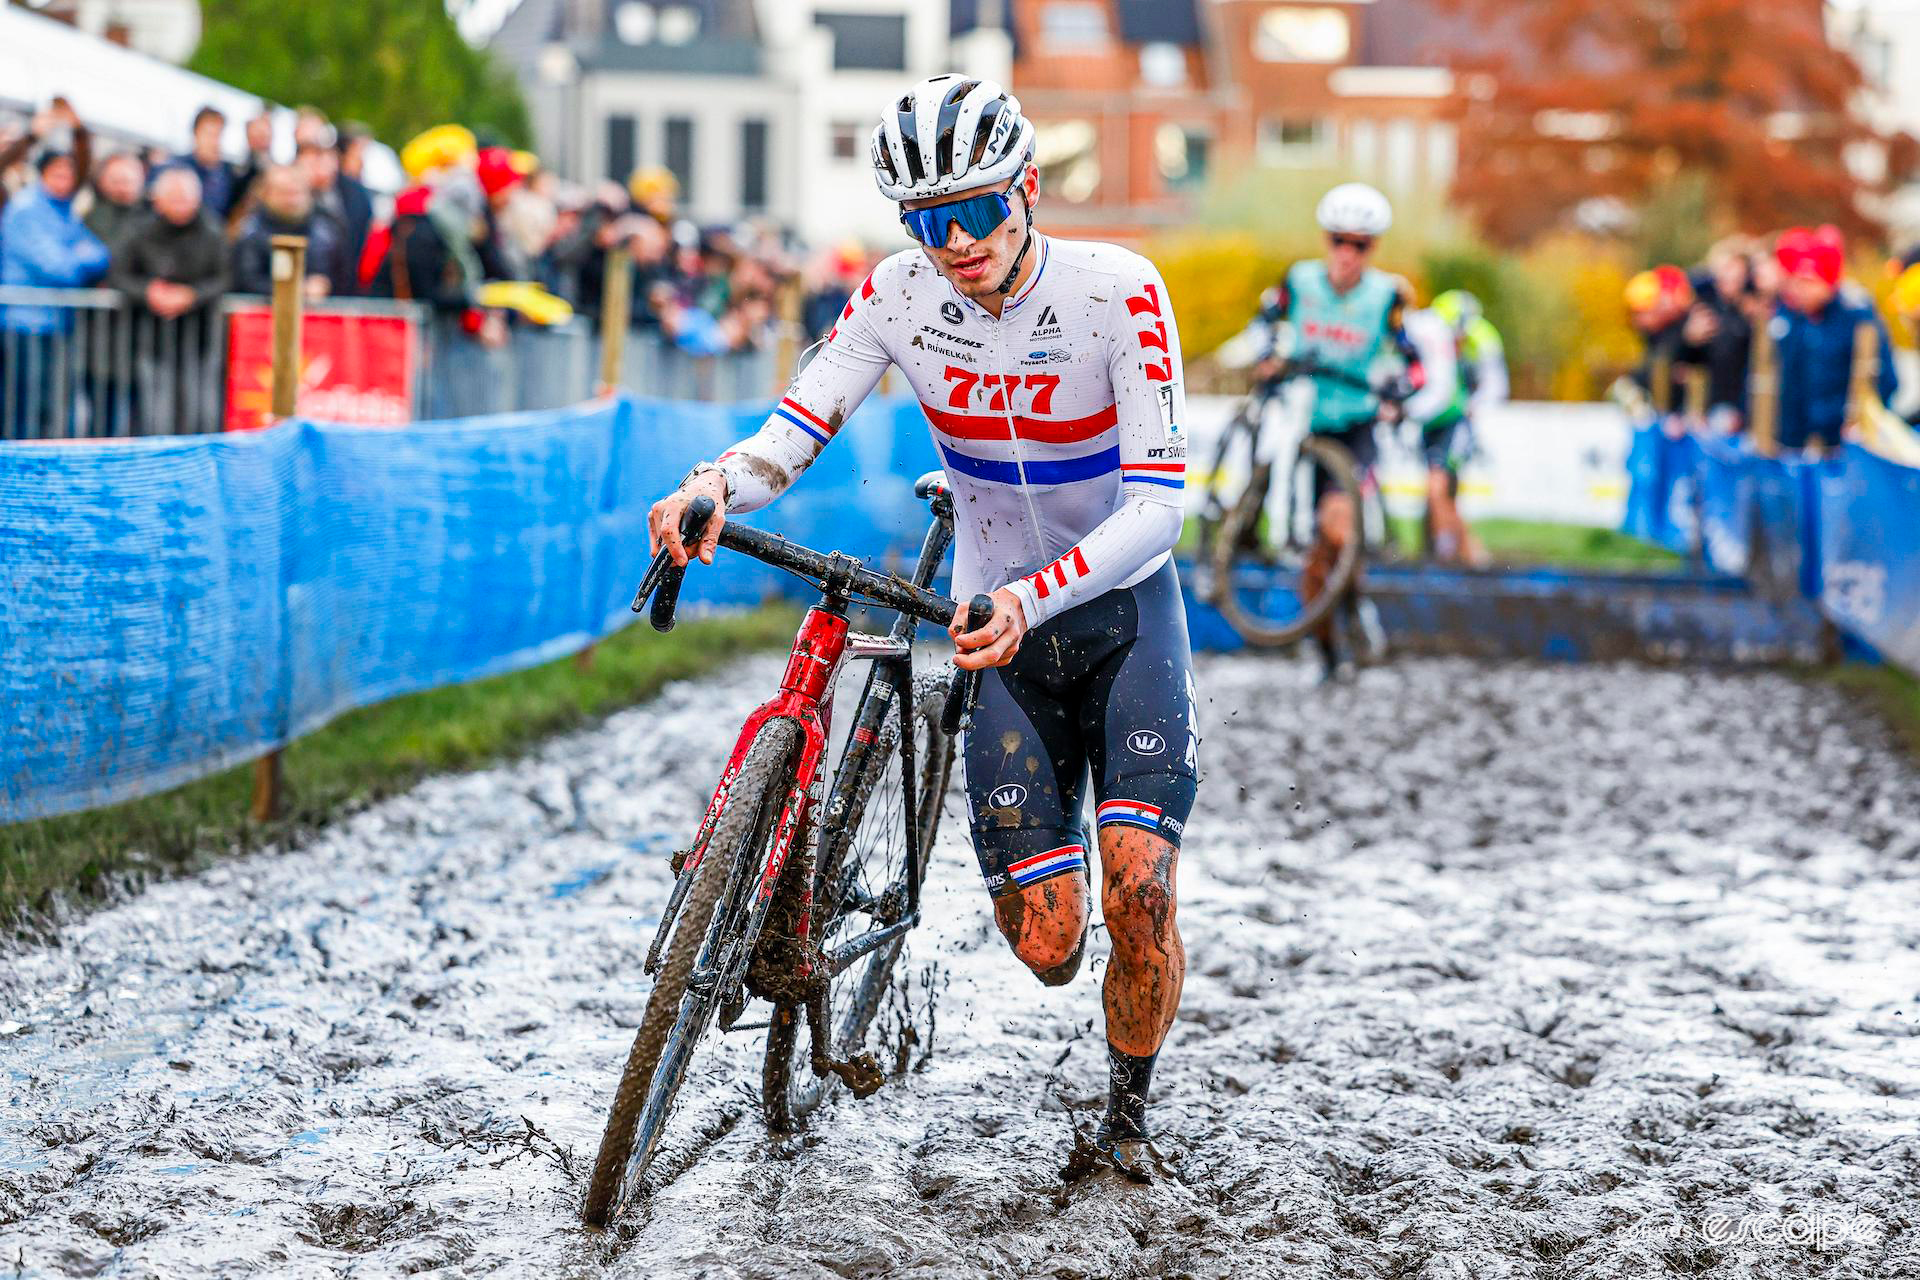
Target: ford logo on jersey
{"type": "Point", "coordinates": [1007, 797]}
{"type": "Point", "coordinates": [1145, 742]}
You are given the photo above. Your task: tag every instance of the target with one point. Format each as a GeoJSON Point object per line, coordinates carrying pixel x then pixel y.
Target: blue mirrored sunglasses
{"type": "Point", "coordinates": [979, 216]}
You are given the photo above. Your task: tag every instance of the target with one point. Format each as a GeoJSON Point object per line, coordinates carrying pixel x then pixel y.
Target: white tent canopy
{"type": "Point", "coordinates": [119, 93]}
{"type": "Point", "coordinates": [131, 98]}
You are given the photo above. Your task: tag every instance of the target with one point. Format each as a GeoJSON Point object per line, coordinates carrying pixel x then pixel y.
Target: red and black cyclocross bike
{"type": "Point", "coordinates": [781, 898]}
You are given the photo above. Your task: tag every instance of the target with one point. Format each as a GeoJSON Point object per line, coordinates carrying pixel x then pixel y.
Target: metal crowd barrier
{"type": "Point", "coordinates": [78, 363]}
{"type": "Point", "coordinates": [85, 362]}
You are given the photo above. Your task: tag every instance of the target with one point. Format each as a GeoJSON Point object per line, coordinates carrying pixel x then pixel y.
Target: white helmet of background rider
{"type": "Point", "coordinates": [1355, 209]}
{"type": "Point", "coordinates": [948, 134]}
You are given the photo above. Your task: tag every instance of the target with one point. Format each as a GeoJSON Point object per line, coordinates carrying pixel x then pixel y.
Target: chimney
{"type": "Point", "coordinates": [586, 19]}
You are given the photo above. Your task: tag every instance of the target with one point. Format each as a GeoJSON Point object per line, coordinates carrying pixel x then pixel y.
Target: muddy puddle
{"type": "Point", "coordinates": [1496, 971]}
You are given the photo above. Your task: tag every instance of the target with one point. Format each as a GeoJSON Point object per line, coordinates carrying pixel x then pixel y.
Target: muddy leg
{"type": "Point", "coordinates": [1444, 516]}
{"type": "Point", "coordinates": [1047, 925]}
{"type": "Point", "coordinates": [1149, 964]}
{"type": "Point", "coordinates": [1335, 525]}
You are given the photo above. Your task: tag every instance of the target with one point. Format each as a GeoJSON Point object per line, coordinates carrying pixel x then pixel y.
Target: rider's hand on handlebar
{"type": "Point", "coordinates": [663, 521]}
{"type": "Point", "coordinates": [994, 644]}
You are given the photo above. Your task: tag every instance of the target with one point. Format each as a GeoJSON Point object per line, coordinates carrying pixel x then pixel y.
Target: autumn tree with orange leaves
{"type": "Point", "coordinates": [1587, 100]}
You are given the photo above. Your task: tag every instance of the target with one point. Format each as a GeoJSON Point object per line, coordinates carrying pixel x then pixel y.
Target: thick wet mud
{"type": "Point", "coordinates": [1495, 971]}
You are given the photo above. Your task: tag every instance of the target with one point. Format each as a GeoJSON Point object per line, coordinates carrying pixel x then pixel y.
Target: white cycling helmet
{"type": "Point", "coordinates": [947, 134]}
{"type": "Point", "coordinates": [1356, 209]}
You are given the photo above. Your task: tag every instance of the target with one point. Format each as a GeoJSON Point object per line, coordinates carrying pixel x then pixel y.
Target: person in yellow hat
{"type": "Point", "coordinates": [445, 146]}
{"type": "Point", "coordinates": [655, 192]}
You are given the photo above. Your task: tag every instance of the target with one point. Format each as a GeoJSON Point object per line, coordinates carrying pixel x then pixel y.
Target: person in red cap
{"type": "Point", "coordinates": [500, 173]}
{"type": "Point", "coordinates": [1657, 304]}
{"type": "Point", "coordinates": [1813, 329]}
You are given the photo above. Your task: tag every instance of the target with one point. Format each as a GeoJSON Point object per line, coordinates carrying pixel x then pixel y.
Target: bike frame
{"type": "Point", "coordinates": [821, 647]}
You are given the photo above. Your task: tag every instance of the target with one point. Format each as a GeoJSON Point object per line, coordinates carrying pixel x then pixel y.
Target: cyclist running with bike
{"type": "Point", "coordinates": [1050, 374]}
{"type": "Point", "coordinates": [1341, 320]}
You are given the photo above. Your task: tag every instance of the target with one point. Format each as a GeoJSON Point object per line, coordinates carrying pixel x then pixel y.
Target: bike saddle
{"type": "Point", "coordinates": [931, 485]}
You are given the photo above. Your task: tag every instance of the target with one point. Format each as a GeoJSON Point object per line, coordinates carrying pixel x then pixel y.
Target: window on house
{"type": "Point", "coordinates": [753, 165]}
{"type": "Point", "coordinates": [1074, 26]}
{"type": "Point", "coordinates": [1068, 153]}
{"type": "Point", "coordinates": [1181, 154]}
{"type": "Point", "coordinates": [678, 24]}
{"type": "Point", "coordinates": [1163, 66]}
{"type": "Point", "coordinates": [621, 158]}
{"type": "Point", "coordinates": [1301, 140]}
{"type": "Point", "coordinates": [845, 139]}
{"type": "Point", "coordinates": [1302, 34]}
{"type": "Point", "coordinates": [679, 154]}
{"type": "Point", "coordinates": [867, 41]}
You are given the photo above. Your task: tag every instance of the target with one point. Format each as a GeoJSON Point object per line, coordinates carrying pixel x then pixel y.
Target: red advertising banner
{"type": "Point", "coordinates": [354, 368]}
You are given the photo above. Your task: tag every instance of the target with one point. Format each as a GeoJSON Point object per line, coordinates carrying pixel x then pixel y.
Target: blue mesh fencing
{"type": "Point", "coordinates": [173, 606]}
{"type": "Point", "coordinates": [1840, 531]}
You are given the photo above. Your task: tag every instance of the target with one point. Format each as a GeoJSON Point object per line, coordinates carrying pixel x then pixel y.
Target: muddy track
{"type": "Point", "coordinates": [1496, 971]}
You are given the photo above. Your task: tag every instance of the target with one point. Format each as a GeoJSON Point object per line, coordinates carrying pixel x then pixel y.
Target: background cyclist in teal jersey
{"type": "Point", "coordinates": [1342, 318]}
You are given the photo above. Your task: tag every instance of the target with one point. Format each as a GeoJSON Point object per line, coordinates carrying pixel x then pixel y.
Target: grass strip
{"type": "Point", "coordinates": [1889, 691]}
{"type": "Point", "coordinates": [362, 757]}
{"type": "Point", "coordinates": [1526, 544]}
{"type": "Point", "coordinates": [1534, 543]}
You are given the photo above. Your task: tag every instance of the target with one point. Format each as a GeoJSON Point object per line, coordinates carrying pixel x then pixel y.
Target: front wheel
{"type": "Point", "coordinates": [679, 1009]}
{"type": "Point", "coordinates": [1261, 534]}
{"type": "Point", "coordinates": [860, 883]}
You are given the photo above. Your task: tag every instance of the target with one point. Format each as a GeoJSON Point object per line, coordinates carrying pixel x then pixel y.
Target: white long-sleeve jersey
{"type": "Point", "coordinates": [1060, 423]}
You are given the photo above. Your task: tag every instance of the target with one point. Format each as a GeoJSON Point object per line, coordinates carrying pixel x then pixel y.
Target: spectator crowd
{"type": "Point", "coordinates": [481, 234]}
{"type": "Point", "coordinates": [1700, 327]}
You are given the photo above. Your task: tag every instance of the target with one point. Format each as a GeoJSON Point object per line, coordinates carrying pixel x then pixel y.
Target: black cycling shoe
{"type": "Point", "coordinates": [1130, 1153]}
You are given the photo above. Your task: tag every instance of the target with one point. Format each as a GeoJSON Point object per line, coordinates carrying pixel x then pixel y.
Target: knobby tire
{"type": "Point", "coordinates": [1227, 546]}
{"type": "Point", "coordinates": [647, 1088]}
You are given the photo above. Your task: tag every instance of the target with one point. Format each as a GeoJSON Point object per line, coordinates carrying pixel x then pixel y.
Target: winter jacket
{"type": "Point", "coordinates": [1816, 366]}
{"type": "Point", "coordinates": [44, 246]}
{"type": "Point", "coordinates": [155, 249]}
{"type": "Point", "coordinates": [253, 251]}
{"type": "Point", "coordinates": [1724, 356]}
{"type": "Point", "coordinates": [110, 221]}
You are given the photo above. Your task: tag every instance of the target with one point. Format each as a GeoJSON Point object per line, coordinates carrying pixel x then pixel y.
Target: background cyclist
{"type": "Point", "coordinates": [1466, 370]}
{"type": "Point", "coordinates": [1050, 374]}
{"type": "Point", "coordinates": [1343, 318]}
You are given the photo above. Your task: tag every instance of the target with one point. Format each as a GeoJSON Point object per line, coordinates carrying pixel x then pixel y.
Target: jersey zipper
{"type": "Point", "coordinates": [1019, 453]}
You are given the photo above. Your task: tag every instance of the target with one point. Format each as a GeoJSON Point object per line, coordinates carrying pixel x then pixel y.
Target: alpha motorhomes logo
{"type": "Point", "coordinates": [1011, 796]}
{"type": "Point", "coordinates": [1048, 325]}
{"type": "Point", "coordinates": [1145, 742]}
{"type": "Point", "coordinates": [952, 312]}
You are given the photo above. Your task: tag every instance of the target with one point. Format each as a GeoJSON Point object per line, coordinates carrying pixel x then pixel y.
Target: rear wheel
{"type": "Point", "coordinates": [860, 883]}
{"type": "Point", "coordinates": [678, 1011]}
{"type": "Point", "coordinates": [1269, 530]}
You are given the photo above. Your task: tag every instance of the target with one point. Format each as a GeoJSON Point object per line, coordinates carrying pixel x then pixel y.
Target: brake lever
{"type": "Point", "coordinates": [665, 578]}
{"type": "Point", "coordinates": [966, 685]}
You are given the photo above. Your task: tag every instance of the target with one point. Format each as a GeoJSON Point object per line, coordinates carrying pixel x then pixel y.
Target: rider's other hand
{"type": "Point", "coordinates": [1267, 370]}
{"type": "Point", "coordinates": [663, 521]}
{"type": "Point", "coordinates": [994, 644]}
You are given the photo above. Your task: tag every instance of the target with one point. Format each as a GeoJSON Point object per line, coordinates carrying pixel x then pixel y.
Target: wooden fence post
{"type": "Point", "coordinates": [616, 305]}
{"type": "Point", "coordinates": [1661, 376]}
{"type": "Point", "coordinates": [1763, 392]}
{"type": "Point", "coordinates": [788, 306]}
{"type": "Point", "coordinates": [1696, 381]}
{"type": "Point", "coordinates": [289, 295]}
{"type": "Point", "coordinates": [1864, 385]}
